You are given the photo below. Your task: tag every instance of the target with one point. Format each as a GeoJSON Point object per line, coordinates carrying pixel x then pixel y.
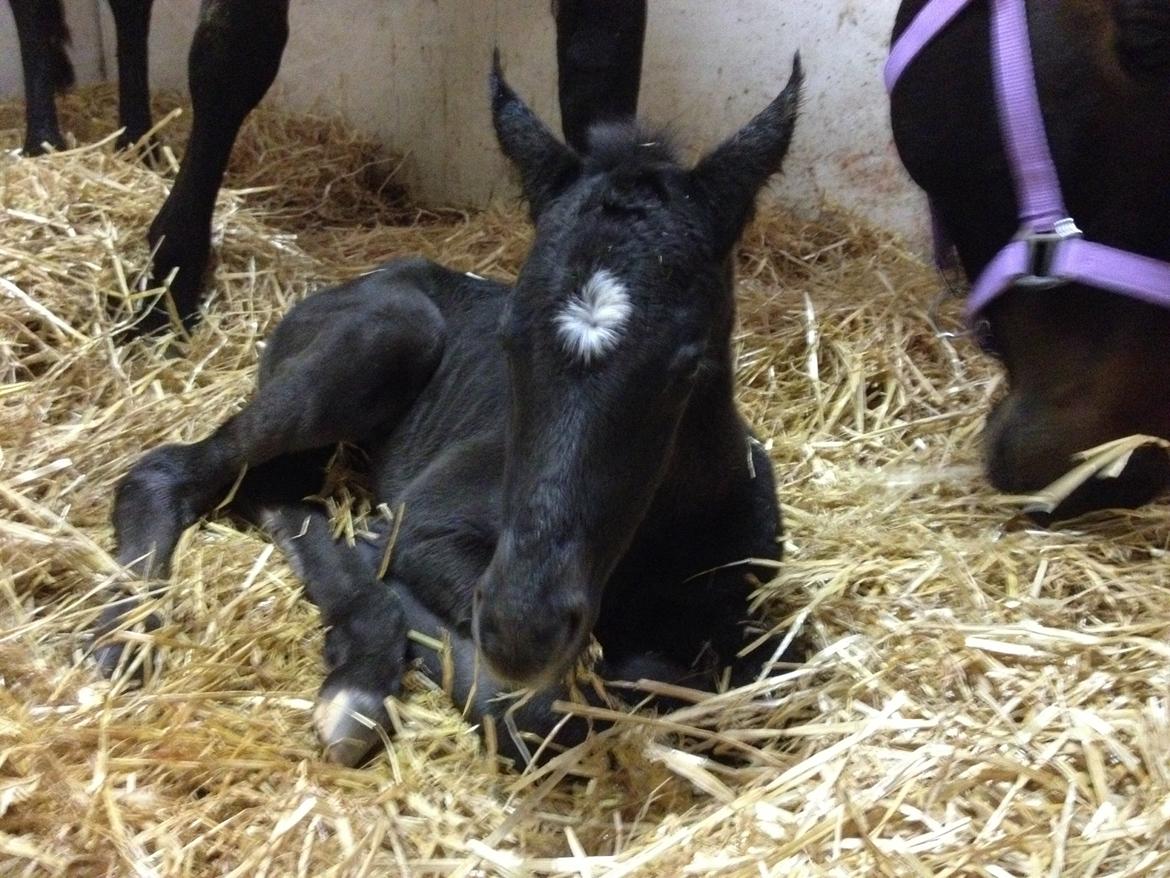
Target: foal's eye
{"type": "Point", "coordinates": [506, 339]}
{"type": "Point", "coordinates": [687, 362]}
{"type": "Point", "coordinates": [509, 336]}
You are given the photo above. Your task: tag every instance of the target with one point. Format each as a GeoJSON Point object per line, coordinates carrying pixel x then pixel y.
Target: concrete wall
{"type": "Point", "coordinates": [412, 72]}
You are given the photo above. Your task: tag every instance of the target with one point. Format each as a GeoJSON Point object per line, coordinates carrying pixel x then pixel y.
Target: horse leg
{"type": "Point", "coordinates": [41, 31]}
{"type": "Point", "coordinates": [365, 637]}
{"type": "Point", "coordinates": [599, 63]}
{"type": "Point", "coordinates": [234, 58]}
{"type": "Point", "coordinates": [132, 25]}
{"type": "Point", "coordinates": [342, 366]}
{"type": "Point", "coordinates": [367, 645]}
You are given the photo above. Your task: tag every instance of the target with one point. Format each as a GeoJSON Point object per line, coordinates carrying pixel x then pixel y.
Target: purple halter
{"type": "Point", "coordinates": [1048, 250]}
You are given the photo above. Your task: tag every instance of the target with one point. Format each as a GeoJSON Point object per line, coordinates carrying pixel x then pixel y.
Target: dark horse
{"type": "Point", "coordinates": [1085, 365]}
{"type": "Point", "coordinates": [567, 452]}
{"type": "Point", "coordinates": [235, 55]}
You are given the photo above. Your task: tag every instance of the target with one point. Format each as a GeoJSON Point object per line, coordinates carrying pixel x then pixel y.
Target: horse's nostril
{"type": "Point", "coordinates": [1145, 476]}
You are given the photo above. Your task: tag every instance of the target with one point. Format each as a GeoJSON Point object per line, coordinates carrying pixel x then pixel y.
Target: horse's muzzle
{"type": "Point", "coordinates": [1029, 447]}
{"type": "Point", "coordinates": [530, 642]}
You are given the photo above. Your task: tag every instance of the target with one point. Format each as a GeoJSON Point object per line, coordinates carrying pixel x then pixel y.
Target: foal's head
{"type": "Point", "coordinates": [619, 320]}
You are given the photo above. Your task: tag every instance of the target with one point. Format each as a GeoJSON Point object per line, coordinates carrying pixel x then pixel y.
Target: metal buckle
{"type": "Point", "coordinates": [1042, 247]}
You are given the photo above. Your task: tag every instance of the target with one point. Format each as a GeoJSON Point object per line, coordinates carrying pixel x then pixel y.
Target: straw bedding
{"type": "Point", "coordinates": [983, 698]}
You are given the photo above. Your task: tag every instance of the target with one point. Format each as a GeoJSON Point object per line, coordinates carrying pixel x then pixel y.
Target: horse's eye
{"type": "Point", "coordinates": [509, 336]}
{"type": "Point", "coordinates": [687, 362]}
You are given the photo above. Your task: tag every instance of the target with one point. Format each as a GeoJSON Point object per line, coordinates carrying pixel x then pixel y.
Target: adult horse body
{"type": "Point", "coordinates": [234, 58]}
{"type": "Point", "coordinates": [1083, 326]}
{"type": "Point", "coordinates": [567, 453]}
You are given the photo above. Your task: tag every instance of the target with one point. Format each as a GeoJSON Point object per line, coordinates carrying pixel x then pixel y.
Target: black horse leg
{"type": "Point", "coordinates": [342, 366]}
{"type": "Point", "coordinates": [365, 637]}
{"type": "Point", "coordinates": [234, 59]}
{"type": "Point", "coordinates": [41, 30]}
{"type": "Point", "coordinates": [132, 23]}
{"type": "Point", "coordinates": [367, 644]}
{"type": "Point", "coordinates": [599, 62]}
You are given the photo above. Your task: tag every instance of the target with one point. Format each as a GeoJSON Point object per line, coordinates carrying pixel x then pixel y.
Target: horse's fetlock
{"type": "Point", "coordinates": [363, 626]}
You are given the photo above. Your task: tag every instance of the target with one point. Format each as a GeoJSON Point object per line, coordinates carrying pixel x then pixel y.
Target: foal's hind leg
{"type": "Point", "coordinates": [342, 366]}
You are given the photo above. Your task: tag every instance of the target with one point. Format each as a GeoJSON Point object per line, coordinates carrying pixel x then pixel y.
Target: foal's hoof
{"type": "Point", "coordinates": [120, 658]}
{"type": "Point", "coordinates": [350, 722]}
{"type": "Point", "coordinates": [110, 657]}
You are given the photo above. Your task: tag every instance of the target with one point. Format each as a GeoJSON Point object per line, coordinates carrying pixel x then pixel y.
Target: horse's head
{"type": "Point", "coordinates": [620, 319]}
{"type": "Point", "coordinates": [1084, 365]}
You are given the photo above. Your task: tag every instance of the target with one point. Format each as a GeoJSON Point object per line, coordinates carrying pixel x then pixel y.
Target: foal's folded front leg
{"type": "Point", "coordinates": [367, 645]}
{"type": "Point", "coordinates": [365, 638]}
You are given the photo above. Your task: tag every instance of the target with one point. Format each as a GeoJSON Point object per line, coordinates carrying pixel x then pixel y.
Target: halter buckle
{"type": "Point", "coordinates": [1042, 248]}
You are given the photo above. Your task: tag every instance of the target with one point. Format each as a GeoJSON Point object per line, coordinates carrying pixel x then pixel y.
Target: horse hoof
{"type": "Point", "coordinates": [119, 661]}
{"type": "Point", "coordinates": [122, 659]}
{"type": "Point", "coordinates": [350, 723]}
{"type": "Point", "coordinates": [108, 658]}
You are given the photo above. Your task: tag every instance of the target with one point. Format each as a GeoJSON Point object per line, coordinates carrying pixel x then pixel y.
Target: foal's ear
{"type": "Point", "coordinates": [728, 178]}
{"type": "Point", "coordinates": [546, 165]}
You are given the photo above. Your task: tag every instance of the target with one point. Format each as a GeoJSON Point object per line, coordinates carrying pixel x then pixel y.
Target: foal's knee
{"type": "Point", "coordinates": [382, 327]}
{"type": "Point", "coordinates": [164, 493]}
{"type": "Point", "coordinates": [415, 270]}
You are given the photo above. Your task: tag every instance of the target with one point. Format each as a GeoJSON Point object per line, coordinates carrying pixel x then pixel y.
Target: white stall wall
{"type": "Point", "coordinates": [412, 73]}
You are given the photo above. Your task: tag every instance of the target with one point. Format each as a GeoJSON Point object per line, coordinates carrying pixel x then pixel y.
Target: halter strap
{"type": "Point", "coordinates": [1048, 251]}
{"type": "Point", "coordinates": [1038, 195]}
{"type": "Point", "coordinates": [930, 21]}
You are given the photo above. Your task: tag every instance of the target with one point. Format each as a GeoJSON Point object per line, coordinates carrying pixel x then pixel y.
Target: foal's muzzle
{"type": "Point", "coordinates": [529, 635]}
